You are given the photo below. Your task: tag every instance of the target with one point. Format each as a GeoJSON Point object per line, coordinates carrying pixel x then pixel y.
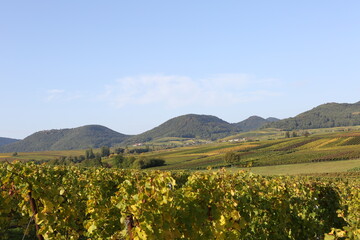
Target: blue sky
{"type": "Point", "coordinates": [131, 65]}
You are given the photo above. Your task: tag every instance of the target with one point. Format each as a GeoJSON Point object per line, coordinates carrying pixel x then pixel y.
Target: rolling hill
{"type": "Point", "coordinates": [5, 141]}
{"type": "Point", "coordinates": [67, 139]}
{"type": "Point", "coordinates": [204, 127]}
{"type": "Point", "coordinates": [324, 116]}
{"type": "Point", "coordinates": [189, 126]}
{"type": "Point", "coordinates": [253, 123]}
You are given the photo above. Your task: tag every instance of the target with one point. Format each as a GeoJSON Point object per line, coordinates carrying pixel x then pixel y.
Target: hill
{"type": "Point", "coordinates": [189, 126]}
{"type": "Point", "coordinates": [67, 139]}
{"type": "Point", "coordinates": [5, 141]}
{"type": "Point", "coordinates": [324, 116]}
{"type": "Point", "coordinates": [253, 123]}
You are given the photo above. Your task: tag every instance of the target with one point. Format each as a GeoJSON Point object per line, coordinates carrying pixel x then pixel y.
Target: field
{"type": "Point", "coordinates": [317, 148]}
{"type": "Point", "coordinates": [305, 168]}
{"type": "Point", "coordinates": [266, 151]}
{"type": "Point", "coordinates": [318, 198]}
{"type": "Point", "coordinates": [38, 156]}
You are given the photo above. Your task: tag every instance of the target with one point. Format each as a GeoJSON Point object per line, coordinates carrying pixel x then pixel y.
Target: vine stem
{"type": "Point", "coordinates": [129, 225]}
{"type": "Point", "coordinates": [35, 211]}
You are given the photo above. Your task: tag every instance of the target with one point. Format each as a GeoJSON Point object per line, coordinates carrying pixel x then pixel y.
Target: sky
{"type": "Point", "coordinates": [132, 65]}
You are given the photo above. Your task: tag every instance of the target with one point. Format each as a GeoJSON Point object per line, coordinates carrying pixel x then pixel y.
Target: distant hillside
{"type": "Point", "coordinates": [324, 116]}
{"type": "Point", "coordinates": [189, 126]}
{"type": "Point", "coordinates": [67, 139]}
{"type": "Point", "coordinates": [253, 123]}
{"type": "Point", "coordinates": [5, 141]}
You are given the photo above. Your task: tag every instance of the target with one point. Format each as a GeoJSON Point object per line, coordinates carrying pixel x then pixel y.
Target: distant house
{"type": "Point", "coordinates": [238, 140]}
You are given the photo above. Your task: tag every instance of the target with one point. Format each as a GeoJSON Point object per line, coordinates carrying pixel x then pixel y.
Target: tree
{"type": "Point", "coordinates": [89, 154]}
{"type": "Point", "coordinates": [118, 161]}
{"type": "Point", "coordinates": [144, 162]}
{"type": "Point", "coordinates": [94, 162]}
{"type": "Point", "coordinates": [287, 134]}
{"type": "Point", "coordinates": [232, 158]}
{"type": "Point", "coordinates": [119, 150]}
{"type": "Point", "coordinates": [105, 151]}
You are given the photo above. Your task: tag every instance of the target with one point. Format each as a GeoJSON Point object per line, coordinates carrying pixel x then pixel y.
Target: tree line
{"type": "Point", "coordinates": [119, 158]}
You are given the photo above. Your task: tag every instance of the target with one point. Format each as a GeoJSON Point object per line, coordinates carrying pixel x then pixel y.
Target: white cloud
{"type": "Point", "coordinates": [179, 91]}
{"type": "Point", "coordinates": [61, 95]}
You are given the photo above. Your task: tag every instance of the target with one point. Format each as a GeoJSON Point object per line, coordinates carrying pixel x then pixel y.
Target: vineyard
{"type": "Point", "coordinates": [317, 148]}
{"type": "Point", "coordinates": [323, 147]}
{"type": "Point", "coordinates": [38, 201]}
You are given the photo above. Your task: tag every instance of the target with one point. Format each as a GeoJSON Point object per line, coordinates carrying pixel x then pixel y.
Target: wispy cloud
{"type": "Point", "coordinates": [61, 95]}
{"type": "Point", "coordinates": [179, 91]}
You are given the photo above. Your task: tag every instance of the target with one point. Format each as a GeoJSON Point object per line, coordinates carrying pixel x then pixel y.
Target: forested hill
{"type": "Point", "coordinates": [5, 141]}
{"type": "Point", "coordinates": [189, 126]}
{"type": "Point", "coordinates": [253, 123]}
{"type": "Point", "coordinates": [66, 139]}
{"type": "Point", "coordinates": [324, 116]}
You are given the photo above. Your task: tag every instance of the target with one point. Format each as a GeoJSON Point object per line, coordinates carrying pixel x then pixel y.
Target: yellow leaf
{"type": "Point", "coordinates": [222, 220]}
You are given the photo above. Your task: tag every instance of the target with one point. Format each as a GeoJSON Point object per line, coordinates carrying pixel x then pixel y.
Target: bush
{"type": "Point", "coordinates": [143, 162]}
{"type": "Point", "coordinates": [232, 158]}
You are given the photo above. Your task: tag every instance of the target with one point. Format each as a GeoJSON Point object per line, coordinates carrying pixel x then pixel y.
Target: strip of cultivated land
{"type": "Point", "coordinates": [305, 168]}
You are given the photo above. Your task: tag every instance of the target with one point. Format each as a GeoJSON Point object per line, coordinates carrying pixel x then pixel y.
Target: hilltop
{"type": "Point", "coordinates": [253, 123]}
{"type": "Point", "coordinates": [67, 139]}
{"type": "Point", "coordinates": [324, 116]}
{"type": "Point", "coordinates": [189, 126]}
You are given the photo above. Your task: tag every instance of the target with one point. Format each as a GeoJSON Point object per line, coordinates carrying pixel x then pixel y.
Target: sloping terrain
{"type": "Point", "coordinates": [253, 123]}
{"type": "Point", "coordinates": [324, 116]}
{"type": "Point", "coordinates": [189, 126]}
{"type": "Point", "coordinates": [315, 148]}
{"type": "Point", "coordinates": [66, 139]}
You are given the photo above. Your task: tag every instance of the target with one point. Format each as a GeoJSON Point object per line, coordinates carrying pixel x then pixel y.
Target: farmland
{"type": "Point", "coordinates": [313, 149]}
{"type": "Point", "coordinates": [65, 202]}
{"type": "Point", "coordinates": [38, 156]}
{"type": "Point", "coordinates": [322, 200]}
{"type": "Point", "coordinates": [328, 146]}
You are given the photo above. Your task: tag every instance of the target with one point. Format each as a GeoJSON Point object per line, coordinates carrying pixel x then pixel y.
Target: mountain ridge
{"type": "Point", "coordinates": [5, 141]}
{"type": "Point", "coordinates": [254, 122]}
{"type": "Point", "coordinates": [189, 126]}
{"type": "Point", "coordinates": [323, 116]}
{"type": "Point", "coordinates": [205, 127]}
{"type": "Point", "coordinates": [88, 136]}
